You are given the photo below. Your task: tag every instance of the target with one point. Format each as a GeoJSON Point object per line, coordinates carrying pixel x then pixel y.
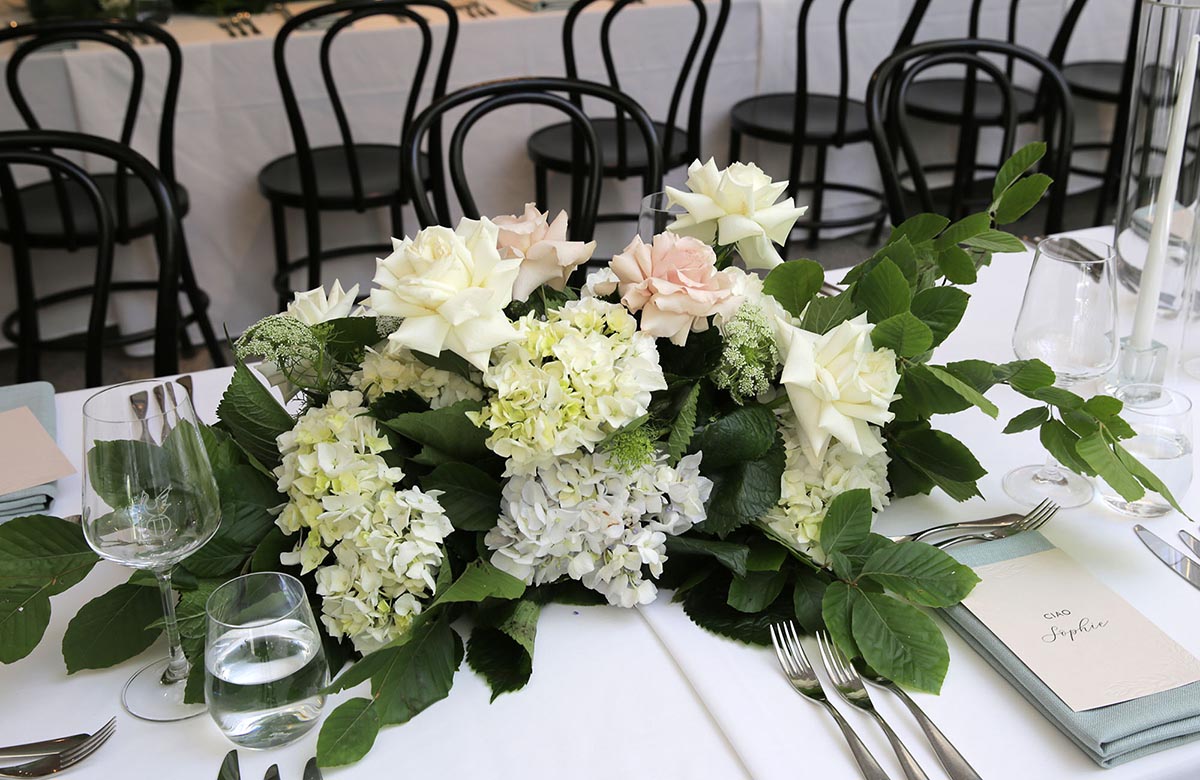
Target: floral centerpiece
{"type": "Point", "coordinates": [481, 438]}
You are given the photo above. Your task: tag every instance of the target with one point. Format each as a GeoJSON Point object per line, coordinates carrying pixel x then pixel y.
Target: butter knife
{"type": "Point", "coordinates": [43, 748]}
{"type": "Point", "coordinates": [1181, 564]}
{"type": "Point", "coordinates": [1190, 542]}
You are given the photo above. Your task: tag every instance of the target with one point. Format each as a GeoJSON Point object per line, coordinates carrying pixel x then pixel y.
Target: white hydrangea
{"type": "Point", "coordinates": [580, 516]}
{"type": "Point", "coordinates": [808, 487]}
{"type": "Point", "coordinates": [567, 381]}
{"type": "Point", "coordinates": [342, 499]}
{"type": "Point", "coordinates": [393, 369]}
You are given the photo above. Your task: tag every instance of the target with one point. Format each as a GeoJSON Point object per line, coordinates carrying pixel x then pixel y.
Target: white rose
{"type": "Point", "coordinates": [315, 306]}
{"type": "Point", "coordinates": [450, 287]}
{"type": "Point", "coordinates": [736, 206]}
{"type": "Point", "coordinates": [839, 385]}
{"type": "Point", "coordinates": [546, 256]}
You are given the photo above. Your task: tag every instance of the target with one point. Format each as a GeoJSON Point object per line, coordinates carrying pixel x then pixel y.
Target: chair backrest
{"type": "Point", "coordinates": [350, 12]}
{"type": "Point", "coordinates": [29, 39]}
{"type": "Point", "coordinates": [888, 118]}
{"type": "Point", "coordinates": [527, 91]}
{"type": "Point", "coordinates": [41, 148]}
{"type": "Point", "coordinates": [691, 141]}
{"type": "Point", "coordinates": [1066, 30]}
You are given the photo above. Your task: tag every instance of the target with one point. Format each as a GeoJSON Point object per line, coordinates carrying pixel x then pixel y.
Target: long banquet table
{"type": "Point", "coordinates": [644, 693]}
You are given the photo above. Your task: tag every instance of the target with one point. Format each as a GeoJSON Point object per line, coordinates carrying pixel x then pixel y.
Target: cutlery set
{"type": "Point", "coordinates": [240, 25]}
{"type": "Point", "coordinates": [476, 9]}
{"type": "Point", "coordinates": [231, 769]}
{"type": "Point", "coordinates": [987, 530]}
{"type": "Point", "coordinates": [140, 403]}
{"type": "Point", "coordinates": [55, 754]}
{"type": "Point", "coordinates": [1179, 563]}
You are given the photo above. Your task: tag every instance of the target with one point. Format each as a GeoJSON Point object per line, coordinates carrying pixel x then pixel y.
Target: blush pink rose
{"type": "Point", "coordinates": [546, 256]}
{"type": "Point", "coordinates": [675, 284]}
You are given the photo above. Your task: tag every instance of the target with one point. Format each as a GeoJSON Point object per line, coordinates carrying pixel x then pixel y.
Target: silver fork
{"type": "Point", "coordinates": [800, 674]}
{"type": "Point", "coordinates": [850, 686]}
{"type": "Point", "coordinates": [59, 761]}
{"type": "Point", "coordinates": [973, 525]}
{"type": "Point", "coordinates": [1031, 522]}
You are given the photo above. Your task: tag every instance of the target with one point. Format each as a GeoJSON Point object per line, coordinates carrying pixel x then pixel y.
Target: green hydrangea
{"type": "Point", "coordinates": [749, 356]}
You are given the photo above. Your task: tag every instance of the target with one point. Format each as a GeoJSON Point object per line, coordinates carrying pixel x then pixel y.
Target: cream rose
{"type": "Point", "coordinates": [315, 306]}
{"type": "Point", "coordinates": [736, 206]}
{"type": "Point", "coordinates": [546, 256]}
{"type": "Point", "coordinates": [839, 385]}
{"type": "Point", "coordinates": [675, 284]}
{"type": "Point", "coordinates": [450, 287]}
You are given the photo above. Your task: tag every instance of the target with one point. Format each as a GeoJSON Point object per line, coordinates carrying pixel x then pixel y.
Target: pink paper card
{"type": "Point", "coordinates": [28, 456]}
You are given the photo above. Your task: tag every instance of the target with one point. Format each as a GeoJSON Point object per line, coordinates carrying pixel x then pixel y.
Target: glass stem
{"type": "Point", "coordinates": [1050, 472]}
{"type": "Point", "coordinates": [177, 668]}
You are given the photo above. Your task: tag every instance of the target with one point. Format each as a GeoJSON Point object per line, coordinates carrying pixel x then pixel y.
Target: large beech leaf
{"type": "Point", "coordinates": [836, 610]}
{"type": "Point", "coordinates": [479, 581]}
{"type": "Point", "coordinates": [756, 591]}
{"type": "Point", "coordinates": [418, 673]}
{"type": "Point", "coordinates": [470, 496]}
{"type": "Point", "coordinates": [112, 628]}
{"type": "Point", "coordinates": [348, 734]}
{"type": "Point", "coordinates": [23, 621]}
{"type": "Point", "coordinates": [501, 650]}
{"type": "Point", "coordinates": [900, 641]}
{"type": "Point", "coordinates": [794, 284]}
{"type": "Point", "coordinates": [847, 521]}
{"type": "Point", "coordinates": [883, 292]}
{"type": "Point", "coordinates": [446, 430]}
{"type": "Point", "coordinates": [745, 434]}
{"type": "Point", "coordinates": [705, 605]}
{"type": "Point", "coordinates": [731, 555]}
{"type": "Point", "coordinates": [44, 553]}
{"type": "Point", "coordinates": [920, 573]}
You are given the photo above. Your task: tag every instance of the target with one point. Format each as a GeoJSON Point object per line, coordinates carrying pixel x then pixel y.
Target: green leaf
{"type": "Point", "coordinates": [1028, 420]}
{"type": "Point", "coordinates": [745, 492]}
{"type": "Point", "coordinates": [414, 675]}
{"type": "Point", "coordinates": [744, 434]}
{"type": "Point", "coordinates": [44, 553]}
{"type": "Point", "coordinates": [806, 600]}
{"type": "Point", "coordinates": [920, 573]}
{"type": "Point", "coordinates": [841, 565]}
{"type": "Point", "coordinates": [996, 241]}
{"type": "Point", "coordinates": [766, 554]}
{"type": "Point", "coordinates": [1025, 376]}
{"type": "Point", "coordinates": [1022, 196]}
{"type": "Point", "coordinates": [941, 454]}
{"type": "Point", "coordinates": [1098, 453]}
{"type": "Point", "coordinates": [112, 628]}
{"type": "Point", "coordinates": [1103, 407]}
{"type": "Point", "coordinates": [266, 555]}
{"type": "Point", "coordinates": [958, 266]}
{"type": "Point", "coordinates": [696, 359]}
{"type": "Point", "coordinates": [502, 651]}
{"type": "Point", "coordinates": [447, 361]}
{"type": "Point", "coordinates": [470, 496]}
{"type": "Point", "coordinates": [902, 254]}
{"type": "Point", "coordinates": [348, 733]}
{"type": "Point", "coordinates": [223, 452]}
{"type": "Point", "coordinates": [883, 292]}
{"type": "Point", "coordinates": [683, 426]}
{"type": "Point", "coordinates": [253, 416]}
{"type": "Point", "coordinates": [109, 464]}
{"type": "Point", "coordinates": [756, 591]}
{"type": "Point", "coordinates": [794, 284]}
{"type": "Point", "coordinates": [900, 641]}
{"type": "Point", "coordinates": [965, 228]}
{"type": "Point", "coordinates": [968, 393]}
{"type": "Point", "coordinates": [921, 227]}
{"type": "Point", "coordinates": [447, 430]}
{"type": "Point", "coordinates": [1059, 441]}
{"type": "Point", "coordinates": [1022, 160]}
{"type": "Point", "coordinates": [731, 555]}
{"type": "Point", "coordinates": [836, 610]}
{"type": "Point", "coordinates": [248, 501]}
{"type": "Point", "coordinates": [706, 605]}
{"type": "Point", "coordinates": [1147, 477]}
{"type": "Point", "coordinates": [904, 334]}
{"type": "Point", "coordinates": [23, 620]}
{"type": "Point", "coordinates": [346, 338]}
{"type": "Point", "coordinates": [847, 521]}
{"type": "Point", "coordinates": [481, 580]}
{"type": "Point", "coordinates": [941, 308]}
{"type": "Point", "coordinates": [923, 395]}
{"type": "Point", "coordinates": [825, 314]}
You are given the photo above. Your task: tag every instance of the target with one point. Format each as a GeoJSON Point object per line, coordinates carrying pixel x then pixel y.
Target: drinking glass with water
{"type": "Point", "coordinates": [265, 666]}
{"type": "Point", "coordinates": [1162, 420]}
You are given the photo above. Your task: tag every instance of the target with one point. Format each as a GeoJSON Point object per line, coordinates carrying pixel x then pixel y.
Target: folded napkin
{"type": "Point", "coordinates": [1109, 735]}
{"type": "Point", "coordinates": [39, 397]}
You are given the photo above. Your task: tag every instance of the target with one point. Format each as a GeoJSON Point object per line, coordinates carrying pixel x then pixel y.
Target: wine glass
{"type": "Point", "coordinates": [656, 214]}
{"type": "Point", "coordinates": [1068, 320]}
{"type": "Point", "coordinates": [149, 501]}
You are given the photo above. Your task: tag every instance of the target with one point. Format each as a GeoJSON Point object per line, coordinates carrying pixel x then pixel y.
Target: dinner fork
{"type": "Point", "coordinates": [847, 683]}
{"type": "Point", "coordinates": [1030, 522]}
{"type": "Point", "coordinates": [248, 21]}
{"type": "Point", "coordinates": [800, 674]}
{"type": "Point", "coordinates": [57, 762]}
{"type": "Point", "coordinates": [953, 762]}
{"type": "Point", "coordinates": [972, 525]}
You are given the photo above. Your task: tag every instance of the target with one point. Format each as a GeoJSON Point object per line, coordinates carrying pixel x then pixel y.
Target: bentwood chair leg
{"type": "Point", "coordinates": [735, 146]}
{"type": "Point", "coordinates": [200, 309]}
{"type": "Point", "coordinates": [279, 229]}
{"type": "Point", "coordinates": [397, 213]}
{"type": "Point", "coordinates": [818, 202]}
{"type": "Point", "coordinates": [541, 183]}
{"type": "Point", "coordinates": [312, 233]}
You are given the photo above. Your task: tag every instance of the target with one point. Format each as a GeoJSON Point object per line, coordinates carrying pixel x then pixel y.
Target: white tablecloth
{"type": "Point", "coordinates": [646, 693]}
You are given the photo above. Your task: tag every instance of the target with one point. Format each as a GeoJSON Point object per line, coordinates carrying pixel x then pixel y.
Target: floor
{"type": "Point", "coordinates": [65, 370]}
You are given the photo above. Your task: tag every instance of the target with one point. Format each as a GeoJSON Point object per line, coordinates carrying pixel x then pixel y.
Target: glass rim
{"type": "Point", "coordinates": [1173, 396]}
{"type": "Point", "coordinates": [1186, 5]}
{"type": "Point", "coordinates": [288, 578]}
{"type": "Point", "coordinates": [1109, 253]}
{"type": "Point", "coordinates": [176, 403]}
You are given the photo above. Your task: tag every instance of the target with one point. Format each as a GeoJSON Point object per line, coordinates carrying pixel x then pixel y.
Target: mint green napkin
{"type": "Point", "coordinates": [1109, 735]}
{"type": "Point", "coordinates": [39, 397]}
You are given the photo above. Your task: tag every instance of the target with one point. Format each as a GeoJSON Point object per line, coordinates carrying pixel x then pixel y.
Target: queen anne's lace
{"type": "Point", "coordinates": [342, 497]}
{"type": "Point", "coordinates": [581, 516]}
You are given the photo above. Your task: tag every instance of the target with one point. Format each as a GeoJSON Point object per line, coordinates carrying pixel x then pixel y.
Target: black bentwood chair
{"type": "Point", "coordinates": [889, 109]}
{"type": "Point", "coordinates": [93, 204]}
{"type": "Point", "coordinates": [533, 91]}
{"type": "Point", "coordinates": [802, 119]}
{"type": "Point", "coordinates": [556, 148]}
{"type": "Point", "coordinates": [1102, 81]}
{"type": "Point", "coordinates": [347, 176]}
{"type": "Point", "coordinates": [58, 211]}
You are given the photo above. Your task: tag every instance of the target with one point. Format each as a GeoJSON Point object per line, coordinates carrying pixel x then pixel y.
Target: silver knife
{"type": "Point", "coordinates": [1190, 542]}
{"type": "Point", "coordinates": [1181, 564]}
{"type": "Point", "coordinates": [43, 748]}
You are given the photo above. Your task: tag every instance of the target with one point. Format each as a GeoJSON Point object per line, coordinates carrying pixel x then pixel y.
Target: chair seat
{"type": "Point", "coordinates": [551, 147]}
{"type": "Point", "coordinates": [941, 100]}
{"type": "Point", "coordinates": [44, 219]}
{"type": "Point", "coordinates": [1095, 80]}
{"type": "Point", "coordinates": [378, 164]}
{"type": "Point", "coordinates": [773, 117]}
